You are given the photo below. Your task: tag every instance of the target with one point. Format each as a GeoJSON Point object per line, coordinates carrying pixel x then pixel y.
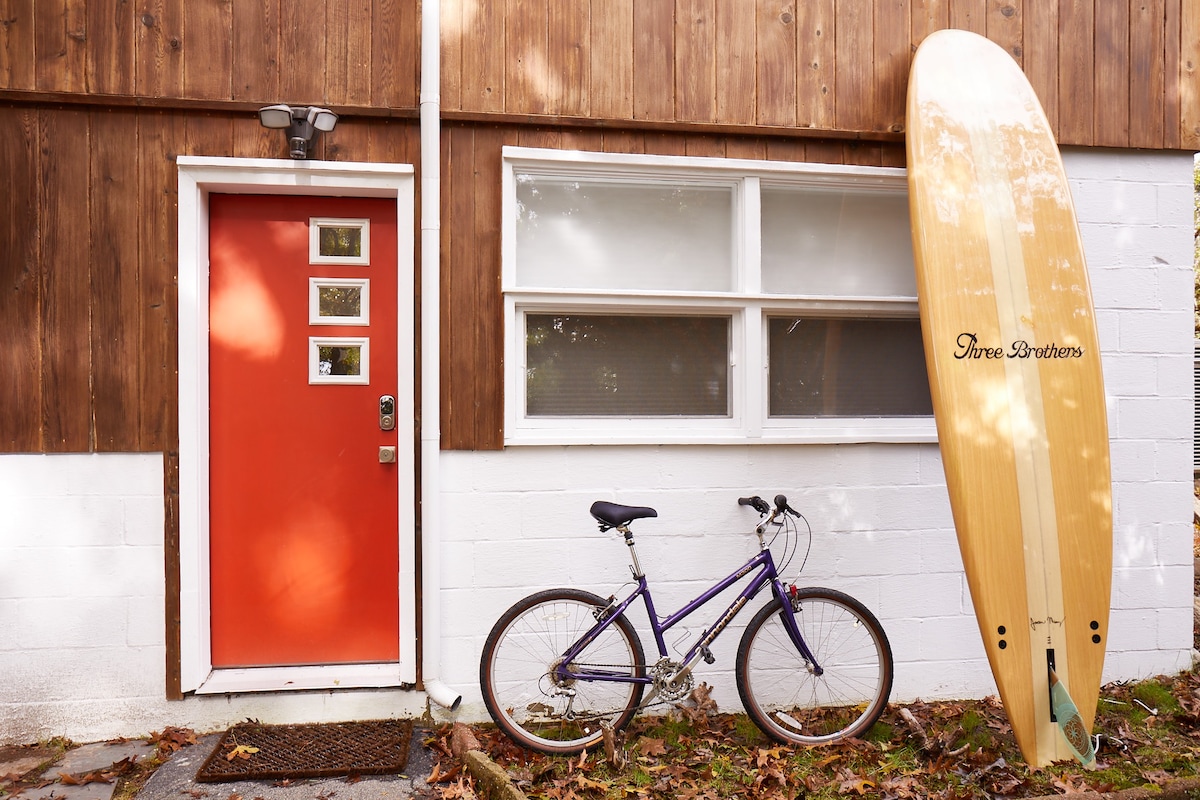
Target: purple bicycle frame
{"type": "Point", "coordinates": [767, 575]}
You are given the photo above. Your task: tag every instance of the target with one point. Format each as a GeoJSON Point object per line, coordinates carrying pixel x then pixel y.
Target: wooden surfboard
{"type": "Point", "coordinates": [1014, 370]}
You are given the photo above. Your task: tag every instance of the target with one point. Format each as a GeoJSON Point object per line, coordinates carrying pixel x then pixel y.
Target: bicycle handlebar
{"type": "Point", "coordinates": [782, 507]}
{"type": "Point", "coordinates": [756, 502]}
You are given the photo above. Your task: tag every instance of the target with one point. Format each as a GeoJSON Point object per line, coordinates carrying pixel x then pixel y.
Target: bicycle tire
{"type": "Point", "coordinates": [518, 660]}
{"type": "Point", "coordinates": [778, 688]}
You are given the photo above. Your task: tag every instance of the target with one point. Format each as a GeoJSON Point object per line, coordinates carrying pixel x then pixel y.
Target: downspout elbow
{"type": "Point", "coordinates": [442, 694]}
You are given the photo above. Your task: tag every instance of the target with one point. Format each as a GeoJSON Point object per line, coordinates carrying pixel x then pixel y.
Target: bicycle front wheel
{"type": "Point", "coordinates": [782, 692]}
{"type": "Point", "coordinates": [523, 693]}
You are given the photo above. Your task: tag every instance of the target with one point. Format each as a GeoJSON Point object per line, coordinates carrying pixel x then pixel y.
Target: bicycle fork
{"type": "Point", "coordinates": [788, 611]}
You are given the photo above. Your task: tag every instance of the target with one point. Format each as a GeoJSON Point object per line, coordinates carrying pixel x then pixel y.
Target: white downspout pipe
{"type": "Point", "coordinates": [431, 225]}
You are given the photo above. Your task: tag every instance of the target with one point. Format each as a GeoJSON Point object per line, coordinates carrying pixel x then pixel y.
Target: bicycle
{"type": "Point", "coordinates": [814, 665]}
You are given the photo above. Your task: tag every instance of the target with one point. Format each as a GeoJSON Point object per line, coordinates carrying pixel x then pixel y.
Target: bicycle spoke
{"type": "Point", "coordinates": [784, 694]}
{"type": "Point", "coordinates": [522, 687]}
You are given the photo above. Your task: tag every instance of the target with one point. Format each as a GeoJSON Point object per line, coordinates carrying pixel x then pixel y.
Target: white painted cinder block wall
{"type": "Point", "coordinates": [517, 519]}
{"type": "Point", "coordinates": [81, 537]}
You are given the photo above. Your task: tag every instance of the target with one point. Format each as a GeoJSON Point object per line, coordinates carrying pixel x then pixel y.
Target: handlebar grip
{"type": "Point", "coordinates": [756, 502]}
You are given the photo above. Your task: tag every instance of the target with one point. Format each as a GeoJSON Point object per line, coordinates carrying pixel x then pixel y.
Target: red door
{"type": "Point", "coordinates": [304, 550]}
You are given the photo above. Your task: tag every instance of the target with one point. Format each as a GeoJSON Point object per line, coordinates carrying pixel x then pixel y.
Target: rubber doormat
{"type": "Point", "coordinates": [251, 751]}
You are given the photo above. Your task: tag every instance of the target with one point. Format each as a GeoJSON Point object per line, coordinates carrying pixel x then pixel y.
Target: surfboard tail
{"type": "Point", "coordinates": [1070, 722]}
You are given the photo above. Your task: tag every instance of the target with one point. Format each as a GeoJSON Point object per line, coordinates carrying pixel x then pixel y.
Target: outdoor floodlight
{"type": "Point", "coordinates": [302, 124]}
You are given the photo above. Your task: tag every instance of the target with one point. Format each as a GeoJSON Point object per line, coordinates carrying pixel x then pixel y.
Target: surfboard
{"type": "Point", "coordinates": [1014, 370]}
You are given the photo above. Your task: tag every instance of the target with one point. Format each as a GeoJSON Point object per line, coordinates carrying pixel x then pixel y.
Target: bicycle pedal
{"type": "Point", "coordinates": [707, 655]}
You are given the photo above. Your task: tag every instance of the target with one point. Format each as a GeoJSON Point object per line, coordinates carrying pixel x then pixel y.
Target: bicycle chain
{"type": "Point", "coordinates": [645, 668]}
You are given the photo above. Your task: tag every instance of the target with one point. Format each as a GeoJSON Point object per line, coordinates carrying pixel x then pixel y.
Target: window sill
{"type": "Point", "coordinates": [916, 430]}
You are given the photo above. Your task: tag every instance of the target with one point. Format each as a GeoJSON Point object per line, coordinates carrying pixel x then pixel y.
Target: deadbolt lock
{"type": "Point", "coordinates": [387, 413]}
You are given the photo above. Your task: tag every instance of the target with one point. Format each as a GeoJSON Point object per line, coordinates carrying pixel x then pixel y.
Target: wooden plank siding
{"type": "Point", "coordinates": [97, 99]}
{"type": "Point", "coordinates": [355, 53]}
{"type": "Point", "coordinates": [88, 254]}
{"type": "Point", "coordinates": [823, 67]}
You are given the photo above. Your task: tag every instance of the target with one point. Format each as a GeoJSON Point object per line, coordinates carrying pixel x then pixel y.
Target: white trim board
{"type": "Point", "coordinates": [199, 177]}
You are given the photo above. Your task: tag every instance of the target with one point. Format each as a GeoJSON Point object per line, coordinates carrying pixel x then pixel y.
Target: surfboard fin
{"type": "Point", "coordinates": [1070, 722]}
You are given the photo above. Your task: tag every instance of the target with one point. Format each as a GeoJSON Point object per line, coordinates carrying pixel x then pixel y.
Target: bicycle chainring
{"type": "Point", "coordinates": [669, 684]}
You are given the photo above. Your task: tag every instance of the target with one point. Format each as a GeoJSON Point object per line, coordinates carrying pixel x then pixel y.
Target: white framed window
{"type": "Point", "coordinates": [339, 360]}
{"type": "Point", "coordinates": [671, 299]}
{"type": "Point", "coordinates": [339, 301]}
{"type": "Point", "coordinates": [339, 241]}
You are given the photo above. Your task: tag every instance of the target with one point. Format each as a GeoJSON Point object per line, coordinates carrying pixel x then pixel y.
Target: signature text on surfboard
{"type": "Point", "coordinates": [969, 347]}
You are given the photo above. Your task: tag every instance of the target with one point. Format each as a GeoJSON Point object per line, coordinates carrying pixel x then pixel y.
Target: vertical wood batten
{"type": "Point", "coordinates": [569, 68]}
{"type": "Point", "coordinates": [395, 54]}
{"type": "Point", "coordinates": [160, 139]}
{"type": "Point", "coordinates": [653, 60]}
{"type": "Point", "coordinates": [65, 200]}
{"type": "Point", "coordinates": [526, 39]}
{"type": "Point", "coordinates": [1041, 57]}
{"type": "Point", "coordinates": [451, 55]}
{"type": "Point", "coordinates": [255, 59]}
{"type": "Point", "coordinates": [1111, 87]}
{"type": "Point", "coordinates": [610, 47]}
{"type": "Point", "coordinates": [252, 140]}
{"type": "Point", "coordinates": [458, 287]}
{"type": "Point", "coordinates": [486, 342]}
{"type": "Point", "coordinates": [816, 64]}
{"type": "Point", "coordinates": [208, 49]}
{"type": "Point", "coordinates": [777, 76]}
{"type": "Point", "coordinates": [484, 57]}
{"type": "Point", "coordinates": [969, 15]}
{"type": "Point", "coordinates": [892, 55]}
{"type": "Point", "coordinates": [60, 38]}
{"type": "Point", "coordinates": [696, 57]}
{"type": "Point", "coordinates": [1147, 84]}
{"type": "Point", "coordinates": [302, 52]}
{"type": "Point", "coordinates": [735, 59]}
{"type": "Point", "coordinates": [1076, 71]}
{"type": "Point", "coordinates": [855, 46]}
{"type": "Point", "coordinates": [110, 48]}
{"type": "Point", "coordinates": [158, 49]}
{"type": "Point", "coordinates": [20, 289]}
{"type": "Point", "coordinates": [348, 46]}
{"type": "Point", "coordinates": [927, 16]}
{"type": "Point", "coordinates": [116, 316]}
{"type": "Point", "coordinates": [349, 141]}
{"type": "Point", "coordinates": [17, 56]}
{"type": "Point", "coordinates": [1183, 75]}
{"type": "Point", "coordinates": [1006, 27]}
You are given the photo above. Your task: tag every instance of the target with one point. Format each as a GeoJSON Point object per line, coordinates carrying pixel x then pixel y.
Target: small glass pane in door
{"type": "Point", "coordinates": [334, 301]}
{"type": "Point", "coordinates": [339, 241]}
{"type": "Point", "coordinates": [339, 360]}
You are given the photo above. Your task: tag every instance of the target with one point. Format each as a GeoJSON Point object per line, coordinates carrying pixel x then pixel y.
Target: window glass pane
{"type": "Point", "coordinates": [626, 366]}
{"type": "Point", "coordinates": [846, 242]}
{"type": "Point", "coordinates": [340, 241]}
{"type": "Point", "coordinates": [340, 301]}
{"type": "Point", "coordinates": [339, 360]}
{"type": "Point", "coordinates": [579, 234]}
{"type": "Point", "coordinates": [847, 368]}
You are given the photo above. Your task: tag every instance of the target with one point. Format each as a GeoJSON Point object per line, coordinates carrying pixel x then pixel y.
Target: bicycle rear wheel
{"type": "Point", "coordinates": [778, 686]}
{"type": "Point", "coordinates": [517, 672]}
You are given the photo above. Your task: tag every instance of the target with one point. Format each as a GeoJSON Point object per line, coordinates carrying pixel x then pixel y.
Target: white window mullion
{"type": "Point", "coordinates": [514, 357]}
{"type": "Point", "coordinates": [753, 372]}
{"type": "Point", "coordinates": [749, 237]}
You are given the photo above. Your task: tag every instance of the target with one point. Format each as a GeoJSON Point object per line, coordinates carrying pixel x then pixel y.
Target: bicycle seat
{"type": "Point", "coordinates": [614, 515]}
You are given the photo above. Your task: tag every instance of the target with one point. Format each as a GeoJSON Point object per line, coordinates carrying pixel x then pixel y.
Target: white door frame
{"type": "Point", "coordinates": [198, 178]}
